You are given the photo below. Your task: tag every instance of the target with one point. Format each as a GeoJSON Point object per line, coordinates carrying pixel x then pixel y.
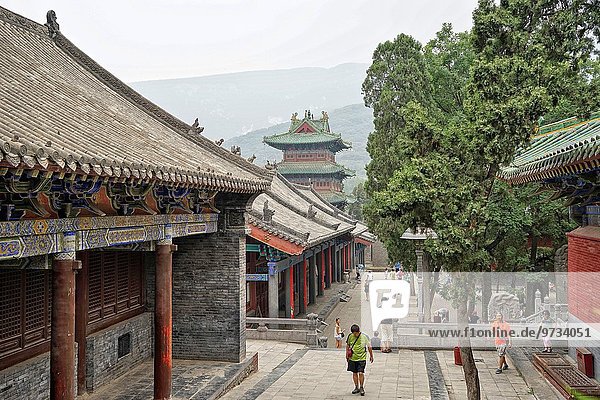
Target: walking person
{"type": "Point", "coordinates": [357, 346]}
{"type": "Point", "coordinates": [386, 330]}
{"type": "Point", "coordinates": [391, 275]}
{"type": "Point", "coordinates": [385, 274]}
{"type": "Point", "coordinates": [367, 283]}
{"type": "Point", "coordinates": [399, 275]}
{"type": "Point", "coordinates": [339, 334]}
{"type": "Point", "coordinates": [546, 324]}
{"type": "Point", "coordinates": [501, 331]}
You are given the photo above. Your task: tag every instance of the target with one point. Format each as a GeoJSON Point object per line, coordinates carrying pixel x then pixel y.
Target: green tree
{"type": "Point", "coordinates": [436, 152]}
{"type": "Point", "coordinates": [359, 196]}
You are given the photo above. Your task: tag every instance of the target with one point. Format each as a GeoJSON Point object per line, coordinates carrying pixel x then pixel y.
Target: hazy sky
{"type": "Point", "coordinates": [156, 39]}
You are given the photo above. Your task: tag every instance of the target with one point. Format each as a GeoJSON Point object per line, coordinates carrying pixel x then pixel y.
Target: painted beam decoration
{"type": "Point", "coordinates": [257, 277]}
{"type": "Point", "coordinates": [39, 237]}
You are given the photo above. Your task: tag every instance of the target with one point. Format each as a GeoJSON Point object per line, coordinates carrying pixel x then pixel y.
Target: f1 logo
{"type": "Point", "coordinates": [388, 299]}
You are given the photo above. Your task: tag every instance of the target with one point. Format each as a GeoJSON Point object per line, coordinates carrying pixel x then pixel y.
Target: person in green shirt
{"type": "Point", "coordinates": [357, 345]}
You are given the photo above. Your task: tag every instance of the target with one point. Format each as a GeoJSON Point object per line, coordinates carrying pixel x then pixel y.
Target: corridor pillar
{"type": "Point", "coordinates": [62, 341]}
{"type": "Point", "coordinates": [163, 314]}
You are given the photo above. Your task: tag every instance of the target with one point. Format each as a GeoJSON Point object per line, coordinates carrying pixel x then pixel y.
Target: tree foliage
{"type": "Point", "coordinates": [448, 115]}
{"type": "Point", "coordinates": [359, 198]}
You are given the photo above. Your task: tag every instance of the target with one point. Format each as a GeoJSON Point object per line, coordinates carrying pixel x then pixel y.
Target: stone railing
{"type": "Point", "coordinates": [558, 312]}
{"type": "Point", "coordinates": [296, 330]}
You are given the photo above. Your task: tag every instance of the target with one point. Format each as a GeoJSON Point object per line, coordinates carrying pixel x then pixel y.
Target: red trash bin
{"type": "Point", "coordinates": [457, 357]}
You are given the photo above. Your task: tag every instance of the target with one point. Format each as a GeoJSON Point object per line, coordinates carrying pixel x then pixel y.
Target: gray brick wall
{"type": "Point", "coordinates": [103, 364]}
{"type": "Point", "coordinates": [209, 293]}
{"type": "Point", "coordinates": [30, 379]}
{"type": "Point", "coordinates": [27, 380]}
{"type": "Point", "coordinates": [149, 271]}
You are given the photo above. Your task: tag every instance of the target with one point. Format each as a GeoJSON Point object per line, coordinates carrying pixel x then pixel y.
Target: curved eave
{"type": "Point", "coordinates": [363, 240]}
{"type": "Point", "coordinates": [517, 176]}
{"type": "Point", "coordinates": [275, 241]}
{"type": "Point", "coordinates": [288, 141]}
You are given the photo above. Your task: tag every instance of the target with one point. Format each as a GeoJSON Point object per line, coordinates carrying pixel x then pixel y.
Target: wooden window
{"type": "Point", "coordinates": [116, 287]}
{"type": "Point", "coordinates": [25, 306]}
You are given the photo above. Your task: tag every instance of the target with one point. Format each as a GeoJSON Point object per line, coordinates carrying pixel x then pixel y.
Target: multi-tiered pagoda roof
{"type": "Point", "coordinates": [309, 148]}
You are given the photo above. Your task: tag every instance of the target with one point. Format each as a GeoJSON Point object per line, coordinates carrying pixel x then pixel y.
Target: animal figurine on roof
{"type": "Point", "coordinates": [196, 128]}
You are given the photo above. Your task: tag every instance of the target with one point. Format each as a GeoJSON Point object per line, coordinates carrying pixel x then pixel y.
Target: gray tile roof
{"type": "Point", "coordinates": [60, 110]}
{"type": "Point", "coordinates": [291, 220]}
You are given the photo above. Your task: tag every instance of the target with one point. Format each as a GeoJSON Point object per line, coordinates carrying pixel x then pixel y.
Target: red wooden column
{"type": "Point", "coordinates": [344, 258]}
{"type": "Point", "coordinates": [62, 341]}
{"type": "Point", "coordinates": [349, 257]}
{"type": "Point", "coordinates": [322, 270]}
{"type": "Point", "coordinates": [304, 273]}
{"type": "Point", "coordinates": [163, 322]}
{"type": "Point", "coordinates": [331, 280]}
{"type": "Point", "coordinates": [81, 321]}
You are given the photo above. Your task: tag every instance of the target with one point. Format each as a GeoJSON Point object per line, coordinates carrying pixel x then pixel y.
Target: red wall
{"type": "Point", "coordinates": [584, 273]}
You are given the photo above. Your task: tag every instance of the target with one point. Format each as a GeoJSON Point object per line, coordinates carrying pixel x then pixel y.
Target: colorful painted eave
{"type": "Point", "coordinates": [564, 148]}
{"type": "Point", "coordinates": [265, 236]}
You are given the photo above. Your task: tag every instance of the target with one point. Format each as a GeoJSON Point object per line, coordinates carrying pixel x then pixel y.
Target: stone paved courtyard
{"type": "Point", "coordinates": [288, 371]}
{"type": "Point", "coordinates": [292, 371]}
{"type": "Point", "coordinates": [191, 380]}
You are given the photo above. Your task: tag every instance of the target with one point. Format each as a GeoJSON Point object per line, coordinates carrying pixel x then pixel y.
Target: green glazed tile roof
{"type": "Point", "coordinates": [566, 147]}
{"type": "Point", "coordinates": [334, 197]}
{"type": "Point", "coordinates": [313, 168]}
{"type": "Point", "coordinates": [320, 137]}
{"type": "Point", "coordinates": [305, 138]}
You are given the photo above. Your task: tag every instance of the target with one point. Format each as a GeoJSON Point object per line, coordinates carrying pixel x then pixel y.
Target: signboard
{"type": "Point", "coordinates": [257, 277]}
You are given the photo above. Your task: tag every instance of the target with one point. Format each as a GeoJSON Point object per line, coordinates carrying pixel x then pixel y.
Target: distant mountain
{"type": "Point", "coordinates": [353, 122]}
{"type": "Point", "coordinates": [232, 104]}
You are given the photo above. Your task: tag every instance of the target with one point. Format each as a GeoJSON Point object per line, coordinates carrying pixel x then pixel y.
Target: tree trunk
{"type": "Point", "coordinates": [471, 373]}
{"type": "Point", "coordinates": [466, 353]}
{"type": "Point", "coordinates": [533, 253]}
{"type": "Point", "coordinates": [486, 295]}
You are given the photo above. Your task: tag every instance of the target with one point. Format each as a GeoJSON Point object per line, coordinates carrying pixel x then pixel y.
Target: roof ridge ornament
{"type": "Point", "coordinates": [51, 24]}
{"type": "Point", "coordinates": [310, 213]}
{"type": "Point", "coordinates": [267, 213]}
{"type": "Point", "coordinates": [270, 165]}
{"type": "Point", "coordinates": [196, 128]}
